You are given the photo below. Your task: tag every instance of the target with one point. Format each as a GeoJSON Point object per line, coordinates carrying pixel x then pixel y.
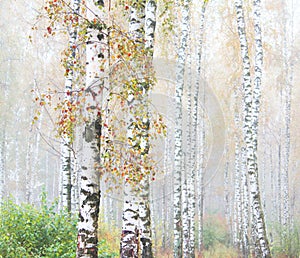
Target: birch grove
{"type": "Point", "coordinates": [151, 128]}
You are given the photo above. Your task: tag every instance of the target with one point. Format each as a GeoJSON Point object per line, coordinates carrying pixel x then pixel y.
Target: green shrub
{"type": "Point", "coordinates": [285, 241]}
{"type": "Point", "coordinates": [30, 232]}
{"type": "Point", "coordinates": [27, 231]}
{"type": "Point", "coordinates": [214, 232]}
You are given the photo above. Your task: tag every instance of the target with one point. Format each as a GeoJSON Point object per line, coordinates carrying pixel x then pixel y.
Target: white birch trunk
{"type": "Point", "coordinates": [164, 217]}
{"type": "Point", "coordinates": [272, 185]}
{"type": "Point", "coordinates": [200, 175]}
{"type": "Point", "coordinates": [66, 172]}
{"type": "Point", "coordinates": [258, 216]}
{"type": "Point", "coordinates": [250, 118]}
{"type": "Point", "coordinates": [278, 190]}
{"type": "Point", "coordinates": [2, 162]}
{"type": "Point", "coordinates": [144, 207]}
{"type": "Point", "coordinates": [288, 73]}
{"type": "Point", "coordinates": [246, 212]}
{"type": "Point", "coordinates": [138, 236]}
{"type": "Point", "coordinates": [150, 25]}
{"type": "Point", "coordinates": [178, 129]}
{"type": "Point", "coordinates": [164, 203]}
{"type": "Point", "coordinates": [199, 166]}
{"type": "Point", "coordinates": [153, 226]}
{"type": "Point", "coordinates": [75, 183]}
{"type": "Point", "coordinates": [185, 219]}
{"type": "Point", "coordinates": [145, 219]}
{"type": "Point", "coordinates": [191, 161]}
{"type": "Point", "coordinates": [89, 197]}
{"type": "Point", "coordinates": [191, 212]}
{"type": "Point", "coordinates": [67, 162]}
{"type": "Point", "coordinates": [130, 245]}
{"type": "Point", "coordinates": [17, 161]}
{"type": "Point", "coordinates": [89, 202]}
{"type": "Point", "coordinates": [237, 215]}
{"type": "Point", "coordinates": [188, 192]}
{"type": "Point", "coordinates": [200, 187]}
{"type": "Point", "coordinates": [3, 143]}
{"type": "Point", "coordinates": [227, 203]}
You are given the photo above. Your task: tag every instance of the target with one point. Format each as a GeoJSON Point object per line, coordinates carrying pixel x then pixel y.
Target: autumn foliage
{"type": "Point", "coordinates": [125, 66]}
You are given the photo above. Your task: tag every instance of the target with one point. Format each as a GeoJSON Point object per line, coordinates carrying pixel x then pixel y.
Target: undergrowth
{"type": "Point", "coordinates": [29, 231]}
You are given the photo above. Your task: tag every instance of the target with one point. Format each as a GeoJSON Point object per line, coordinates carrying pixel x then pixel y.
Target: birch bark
{"type": "Point", "coordinates": [188, 191]}
{"type": "Point", "coordinates": [201, 129]}
{"type": "Point", "coordinates": [3, 143]}
{"type": "Point", "coordinates": [258, 216]}
{"type": "Point", "coordinates": [136, 230]}
{"type": "Point", "coordinates": [250, 126]}
{"type": "Point", "coordinates": [180, 68]}
{"type": "Point", "coordinates": [2, 162]}
{"type": "Point", "coordinates": [237, 215]}
{"type": "Point", "coordinates": [288, 73]}
{"type": "Point", "coordinates": [17, 160]}
{"type": "Point", "coordinates": [129, 246]}
{"type": "Point", "coordinates": [67, 162]}
{"type": "Point", "coordinates": [144, 207]}
{"type": "Point", "coordinates": [227, 191]}
{"type": "Point", "coordinates": [185, 219]}
{"type": "Point", "coordinates": [89, 202]}
{"type": "Point", "coordinates": [278, 190]}
{"type": "Point", "coordinates": [164, 203]}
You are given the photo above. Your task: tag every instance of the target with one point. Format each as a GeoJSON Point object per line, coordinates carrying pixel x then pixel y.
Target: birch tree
{"type": "Point", "coordinates": [245, 205]}
{"type": "Point", "coordinates": [3, 143]}
{"type": "Point", "coordinates": [144, 209]}
{"type": "Point", "coordinates": [288, 78]}
{"type": "Point", "coordinates": [129, 246]}
{"type": "Point", "coordinates": [199, 127]}
{"type": "Point", "coordinates": [241, 195]}
{"type": "Point", "coordinates": [237, 219]}
{"type": "Point", "coordinates": [178, 158]}
{"type": "Point", "coordinates": [188, 188]}
{"type": "Point", "coordinates": [2, 162]}
{"type": "Point", "coordinates": [89, 178]}
{"type": "Point", "coordinates": [250, 122]}
{"type": "Point", "coordinates": [136, 229]}
{"type": "Point", "coordinates": [67, 138]}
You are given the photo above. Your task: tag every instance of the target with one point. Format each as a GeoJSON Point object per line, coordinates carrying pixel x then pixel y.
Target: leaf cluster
{"type": "Point", "coordinates": [126, 63]}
